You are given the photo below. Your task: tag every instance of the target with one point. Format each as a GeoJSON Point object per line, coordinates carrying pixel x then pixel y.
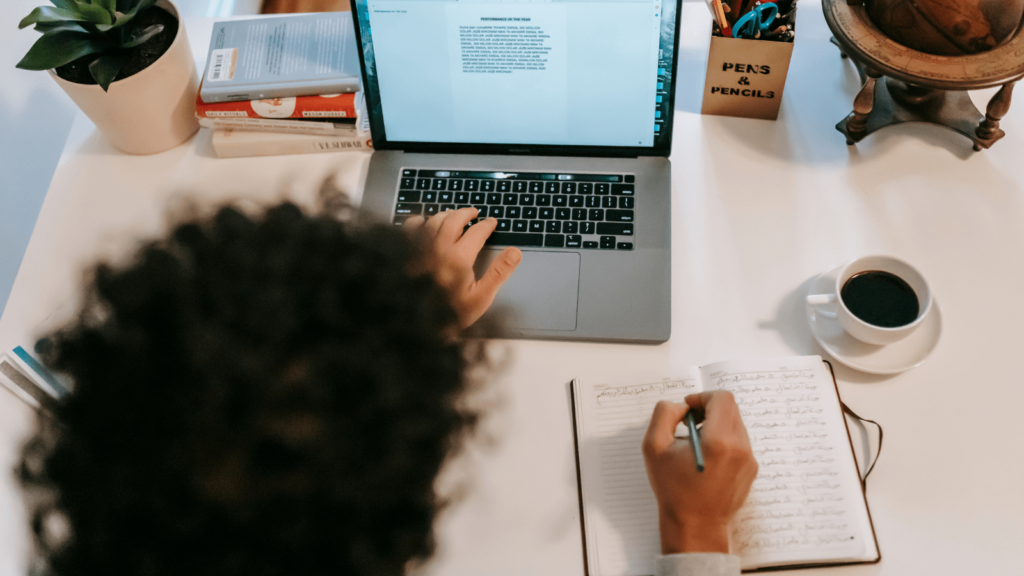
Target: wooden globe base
{"type": "Point", "coordinates": [901, 84]}
{"type": "Point", "coordinates": [885, 101]}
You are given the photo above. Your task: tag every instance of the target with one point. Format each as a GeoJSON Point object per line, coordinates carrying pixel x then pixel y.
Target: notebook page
{"type": "Point", "coordinates": [619, 510]}
{"type": "Point", "coordinates": [806, 504]}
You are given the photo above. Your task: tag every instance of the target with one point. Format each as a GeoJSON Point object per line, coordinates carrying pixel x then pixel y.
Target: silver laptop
{"type": "Point", "coordinates": [555, 117]}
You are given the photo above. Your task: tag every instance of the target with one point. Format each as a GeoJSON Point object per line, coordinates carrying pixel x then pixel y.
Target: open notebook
{"type": "Point", "coordinates": [806, 507]}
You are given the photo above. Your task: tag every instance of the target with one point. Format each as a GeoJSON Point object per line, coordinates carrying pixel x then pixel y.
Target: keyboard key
{"type": "Point", "coordinates": [439, 184]}
{"type": "Point", "coordinates": [543, 200]}
{"type": "Point", "coordinates": [608, 202]}
{"type": "Point", "coordinates": [446, 207]}
{"type": "Point", "coordinates": [560, 200]}
{"type": "Point", "coordinates": [571, 227]}
{"type": "Point", "coordinates": [462, 198]}
{"type": "Point", "coordinates": [587, 228]}
{"type": "Point", "coordinates": [429, 196]}
{"type": "Point", "coordinates": [512, 212]}
{"type": "Point", "coordinates": [576, 201]}
{"type": "Point", "coordinates": [619, 215]}
{"type": "Point", "coordinates": [519, 226]}
{"type": "Point", "coordinates": [596, 215]}
{"type": "Point", "coordinates": [430, 209]}
{"type": "Point", "coordinates": [547, 213]}
{"type": "Point", "coordinates": [509, 199]}
{"type": "Point", "coordinates": [553, 227]}
{"type": "Point", "coordinates": [487, 186]}
{"type": "Point", "coordinates": [407, 173]}
{"type": "Point", "coordinates": [455, 184]}
{"type": "Point", "coordinates": [593, 201]}
{"type": "Point", "coordinates": [601, 188]}
{"type": "Point", "coordinates": [536, 225]}
{"type": "Point", "coordinates": [573, 241]}
{"type": "Point", "coordinates": [624, 245]}
{"type": "Point", "coordinates": [519, 186]}
{"type": "Point", "coordinates": [616, 228]}
{"type": "Point", "coordinates": [472, 185]}
{"type": "Point", "coordinates": [461, 206]}
{"type": "Point", "coordinates": [551, 188]}
{"type": "Point", "coordinates": [504, 186]}
{"type": "Point", "coordinates": [496, 211]}
{"type": "Point", "coordinates": [494, 198]}
{"type": "Point", "coordinates": [607, 242]}
{"type": "Point", "coordinates": [526, 199]}
{"type": "Point", "coordinates": [579, 213]}
{"type": "Point", "coordinates": [481, 211]}
{"type": "Point", "coordinates": [586, 188]}
{"type": "Point", "coordinates": [554, 241]}
{"type": "Point", "coordinates": [530, 212]}
{"type": "Point", "coordinates": [423, 184]}
{"type": "Point", "coordinates": [409, 196]}
{"type": "Point", "coordinates": [590, 244]}
{"type": "Point", "coordinates": [627, 202]}
{"type": "Point", "coordinates": [445, 197]}
{"type": "Point", "coordinates": [408, 209]}
{"type": "Point", "coordinates": [400, 219]}
{"type": "Point", "coordinates": [513, 239]}
{"type": "Point", "coordinates": [568, 187]}
{"type": "Point", "coordinates": [478, 198]}
{"type": "Point", "coordinates": [622, 189]}
{"type": "Point", "coordinates": [407, 184]}
{"type": "Point", "coordinates": [536, 187]}
{"type": "Point", "coordinates": [563, 213]}
{"type": "Point", "coordinates": [630, 178]}
{"type": "Point", "coordinates": [504, 226]}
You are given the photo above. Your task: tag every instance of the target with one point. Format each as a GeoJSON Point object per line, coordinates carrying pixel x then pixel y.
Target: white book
{"type": "Point", "coordinates": [807, 506]}
{"type": "Point", "coordinates": [243, 143]}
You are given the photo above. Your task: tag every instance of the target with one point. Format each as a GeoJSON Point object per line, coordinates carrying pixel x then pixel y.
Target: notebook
{"type": "Point", "coordinates": [807, 506]}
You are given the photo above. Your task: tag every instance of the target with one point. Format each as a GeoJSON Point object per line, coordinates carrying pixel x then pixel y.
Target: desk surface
{"type": "Point", "coordinates": [759, 208]}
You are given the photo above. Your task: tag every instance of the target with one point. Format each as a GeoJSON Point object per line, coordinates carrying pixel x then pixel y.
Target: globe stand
{"type": "Point", "coordinates": [903, 85]}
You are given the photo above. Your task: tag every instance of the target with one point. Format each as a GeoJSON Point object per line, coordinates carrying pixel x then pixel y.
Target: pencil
{"type": "Point", "coordinates": [695, 441]}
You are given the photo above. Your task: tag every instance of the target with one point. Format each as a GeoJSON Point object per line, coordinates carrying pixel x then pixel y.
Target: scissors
{"type": "Point", "coordinates": [756, 22]}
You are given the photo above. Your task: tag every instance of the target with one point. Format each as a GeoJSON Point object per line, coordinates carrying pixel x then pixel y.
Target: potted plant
{"type": "Point", "coordinates": [126, 63]}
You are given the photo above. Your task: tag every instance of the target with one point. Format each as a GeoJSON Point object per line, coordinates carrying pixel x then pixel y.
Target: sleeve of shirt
{"type": "Point", "coordinates": [697, 564]}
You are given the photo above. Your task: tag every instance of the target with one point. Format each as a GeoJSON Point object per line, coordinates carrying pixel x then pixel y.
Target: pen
{"type": "Point", "coordinates": [691, 423]}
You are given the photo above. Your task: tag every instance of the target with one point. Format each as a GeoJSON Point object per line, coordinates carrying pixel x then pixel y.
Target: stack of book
{"type": "Point", "coordinates": [284, 85]}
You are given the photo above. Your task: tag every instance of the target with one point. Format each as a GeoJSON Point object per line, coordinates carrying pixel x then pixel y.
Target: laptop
{"type": "Point", "coordinates": [555, 117]}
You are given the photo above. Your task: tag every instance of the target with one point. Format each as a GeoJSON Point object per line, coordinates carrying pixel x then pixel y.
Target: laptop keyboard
{"type": "Point", "coordinates": [594, 211]}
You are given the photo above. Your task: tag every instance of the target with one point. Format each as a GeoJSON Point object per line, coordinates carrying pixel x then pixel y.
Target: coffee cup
{"type": "Point", "coordinates": [879, 299]}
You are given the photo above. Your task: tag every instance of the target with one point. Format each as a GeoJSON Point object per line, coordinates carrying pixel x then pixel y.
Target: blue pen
{"type": "Point", "coordinates": [691, 423]}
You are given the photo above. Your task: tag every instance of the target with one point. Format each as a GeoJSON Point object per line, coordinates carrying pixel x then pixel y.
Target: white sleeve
{"type": "Point", "coordinates": [697, 564]}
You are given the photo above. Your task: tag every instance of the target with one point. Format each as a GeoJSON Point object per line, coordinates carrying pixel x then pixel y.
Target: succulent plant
{"type": "Point", "coordinates": [100, 29]}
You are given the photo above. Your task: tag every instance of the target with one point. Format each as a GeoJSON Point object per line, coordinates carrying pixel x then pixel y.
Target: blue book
{"type": "Point", "coordinates": [294, 55]}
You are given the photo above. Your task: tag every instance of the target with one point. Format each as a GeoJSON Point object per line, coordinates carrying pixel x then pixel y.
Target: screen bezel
{"type": "Point", "coordinates": [380, 141]}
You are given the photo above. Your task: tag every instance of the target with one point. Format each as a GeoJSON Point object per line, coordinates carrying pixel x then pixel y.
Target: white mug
{"type": "Point", "coordinates": [860, 329]}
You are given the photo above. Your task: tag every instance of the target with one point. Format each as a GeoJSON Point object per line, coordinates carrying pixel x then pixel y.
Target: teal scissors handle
{"type": "Point", "coordinates": [756, 21]}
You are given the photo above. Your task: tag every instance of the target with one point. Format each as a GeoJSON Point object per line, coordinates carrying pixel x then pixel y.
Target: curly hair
{"type": "Point", "coordinates": [254, 395]}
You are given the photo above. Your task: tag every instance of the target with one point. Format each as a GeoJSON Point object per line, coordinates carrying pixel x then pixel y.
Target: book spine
{"type": "Point", "coordinates": [281, 126]}
{"type": "Point", "coordinates": [229, 144]}
{"type": "Point", "coordinates": [213, 93]}
{"type": "Point", "coordinates": [309, 107]}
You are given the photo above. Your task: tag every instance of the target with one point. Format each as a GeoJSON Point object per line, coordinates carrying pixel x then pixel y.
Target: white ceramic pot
{"type": "Point", "coordinates": [150, 111]}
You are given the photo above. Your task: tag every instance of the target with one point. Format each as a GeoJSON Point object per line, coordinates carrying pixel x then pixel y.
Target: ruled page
{"type": "Point", "coordinates": [806, 504]}
{"type": "Point", "coordinates": [620, 513]}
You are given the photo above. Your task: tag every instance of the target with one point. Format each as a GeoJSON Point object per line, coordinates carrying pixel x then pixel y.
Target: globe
{"type": "Point", "coordinates": [948, 27]}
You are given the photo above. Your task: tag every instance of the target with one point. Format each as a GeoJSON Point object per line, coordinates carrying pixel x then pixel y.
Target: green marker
{"type": "Point", "coordinates": [691, 423]}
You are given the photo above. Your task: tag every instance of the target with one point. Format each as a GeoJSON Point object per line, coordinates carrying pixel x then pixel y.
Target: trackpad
{"type": "Point", "coordinates": [541, 294]}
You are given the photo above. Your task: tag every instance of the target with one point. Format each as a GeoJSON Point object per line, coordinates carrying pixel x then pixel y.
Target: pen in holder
{"type": "Point", "coordinates": [747, 72]}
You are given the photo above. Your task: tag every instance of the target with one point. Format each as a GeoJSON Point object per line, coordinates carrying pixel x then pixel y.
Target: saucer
{"type": "Point", "coordinates": [894, 358]}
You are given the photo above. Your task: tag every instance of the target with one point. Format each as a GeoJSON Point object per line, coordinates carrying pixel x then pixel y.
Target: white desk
{"type": "Point", "coordinates": [759, 208]}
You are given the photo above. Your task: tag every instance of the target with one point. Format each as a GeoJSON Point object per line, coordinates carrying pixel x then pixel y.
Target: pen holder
{"type": "Point", "coordinates": [746, 77]}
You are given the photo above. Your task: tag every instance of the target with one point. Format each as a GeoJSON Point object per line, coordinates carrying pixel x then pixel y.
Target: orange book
{"type": "Point", "coordinates": [294, 107]}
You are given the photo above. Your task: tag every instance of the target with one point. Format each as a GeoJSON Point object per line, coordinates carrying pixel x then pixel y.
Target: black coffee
{"type": "Point", "coordinates": [880, 298]}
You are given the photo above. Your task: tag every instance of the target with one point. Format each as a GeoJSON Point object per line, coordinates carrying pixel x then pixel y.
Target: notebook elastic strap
{"type": "Point", "coordinates": [864, 479]}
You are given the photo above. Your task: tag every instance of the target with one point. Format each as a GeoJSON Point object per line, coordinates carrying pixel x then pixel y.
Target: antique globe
{"type": "Point", "coordinates": [948, 27]}
{"type": "Point", "coordinates": [917, 60]}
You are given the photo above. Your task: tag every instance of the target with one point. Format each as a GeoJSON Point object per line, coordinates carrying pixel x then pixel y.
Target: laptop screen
{"type": "Point", "coordinates": [497, 76]}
